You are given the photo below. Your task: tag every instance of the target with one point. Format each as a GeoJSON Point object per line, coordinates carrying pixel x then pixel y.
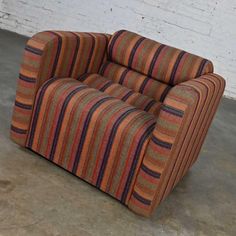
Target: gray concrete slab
{"type": "Point", "coordinates": [38, 198]}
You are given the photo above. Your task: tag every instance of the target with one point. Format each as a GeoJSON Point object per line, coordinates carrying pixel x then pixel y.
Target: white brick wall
{"type": "Point", "coordinates": [203, 27]}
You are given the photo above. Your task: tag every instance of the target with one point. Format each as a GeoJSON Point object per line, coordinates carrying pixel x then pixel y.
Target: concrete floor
{"type": "Point", "coordinates": [38, 198]}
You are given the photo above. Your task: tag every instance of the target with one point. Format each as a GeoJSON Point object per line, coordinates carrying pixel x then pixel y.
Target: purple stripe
{"type": "Point", "coordinates": [107, 85]}
{"type": "Point", "coordinates": [149, 105]}
{"type": "Point", "coordinates": [142, 87]}
{"type": "Point", "coordinates": [150, 172]}
{"type": "Point", "coordinates": [141, 199]}
{"type": "Point", "coordinates": [91, 52]}
{"type": "Point", "coordinates": [127, 95]}
{"type": "Point", "coordinates": [104, 53]}
{"type": "Point", "coordinates": [113, 40]}
{"type": "Point", "coordinates": [133, 51]}
{"type": "Point", "coordinates": [201, 67]}
{"type": "Point", "coordinates": [33, 50]}
{"type": "Point", "coordinates": [172, 77]}
{"type": "Point", "coordinates": [27, 79]}
{"type": "Point", "coordinates": [61, 117]}
{"type": "Point", "coordinates": [183, 163]}
{"type": "Point", "coordinates": [36, 111]}
{"type": "Point", "coordinates": [161, 143]}
{"type": "Point", "coordinates": [123, 75]}
{"type": "Point", "coordinates": [110, 142]}
{"type": "Point", "coordinates": [84, 131]}
{"type": "Point", "coordinates": [57, 53]}
{"type": "Point", "coordinates": [83, 77]}
{"type": "Point", "coordinates": [154, 59]}
{"type": "Point", "coordinates": [144, 137]}
{"type": "Point", "coordinates": [103, 67]}
{"type": "Point", "coordinates": [75, 53]}
{"type": "Point", "coordinates": [18, 130]}
{"type": "Point", "coordinates": [21, 105]}
{"type": "Point", "coordinates": [164, 94]}
{"type": "Point", "coordinates": [172, 110]}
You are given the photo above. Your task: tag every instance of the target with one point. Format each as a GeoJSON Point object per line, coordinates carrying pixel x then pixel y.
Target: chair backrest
{"type": "Point", "coordinates": [155, 60]}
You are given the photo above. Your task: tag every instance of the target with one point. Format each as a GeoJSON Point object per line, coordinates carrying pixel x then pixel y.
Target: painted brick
{"type": "Point", "coordinates": [203, 27]}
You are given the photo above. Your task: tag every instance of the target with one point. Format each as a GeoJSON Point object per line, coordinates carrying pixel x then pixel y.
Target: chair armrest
{"type": "Point", "coordinates": [53, 54]}
{"type": "Point", "coordinates": [181, 127]}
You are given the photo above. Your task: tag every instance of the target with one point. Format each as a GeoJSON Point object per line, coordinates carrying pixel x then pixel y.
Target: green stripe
{"type": "Point", "coordinates": [167, 124]}
{"type": "Point", "coordinates": [87, 98]}
{"type": "Point", "coordinates": [131, 129]}
{"type": "Point", "coordinates": [47, 124]}
{"type": "Point", "coordinates": [102, 126]}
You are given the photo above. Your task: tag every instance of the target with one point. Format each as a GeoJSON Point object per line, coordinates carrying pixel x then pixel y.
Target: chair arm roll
{"type": "Point", "coordinates": [53, 54]}
{"type": "Point", "coordinates": [176, 141]}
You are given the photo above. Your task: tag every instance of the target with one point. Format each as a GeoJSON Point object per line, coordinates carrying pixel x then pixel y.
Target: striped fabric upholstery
{"type": "Point", "coordinates": [53, 54]}
{"type": "Point", "coordinates": [125, 113]}
{"type": "Point", "coordinates": [156, 60]}
{"type": "Point", "coordinates": [135, 81]}
{"type": "Point", "coordinates": [176, 141]}
{"type": "Point", "coordinates": [92, 135]}
{"type": "Point", "coordinates": [121, 92]}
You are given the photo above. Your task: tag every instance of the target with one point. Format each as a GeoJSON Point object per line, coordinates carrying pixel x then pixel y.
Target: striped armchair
{"type": "Point", "coordinates": [122, 112]}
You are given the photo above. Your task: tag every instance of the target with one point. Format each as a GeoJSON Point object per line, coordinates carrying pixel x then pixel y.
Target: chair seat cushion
{"type": "Point", "coordinates": [135, 81]}
{"type": "Point", "coordinates": [91, 134]}
{"type": "Point", "coordinates": [121, 92]}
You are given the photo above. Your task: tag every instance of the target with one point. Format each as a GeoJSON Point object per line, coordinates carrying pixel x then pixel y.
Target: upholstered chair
{"type": "Point", "coordinates": [123, 112]}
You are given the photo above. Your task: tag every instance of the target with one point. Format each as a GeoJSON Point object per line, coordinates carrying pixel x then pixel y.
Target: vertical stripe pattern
{"type": "Point", "coordinates": [161, 62]}
{"type": "Point", "coordinates": [135, 81]}
{"type": "Point", "coordinates": [96, 137]}
{"type": "Point", "coordinates": [126, 114]}
{"type": "Point", "coordinates": [176, 141]}
{"type": "Point", "coordinates": [53, 54]}
{"type": "Point", "coordinates": [116, 90]}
